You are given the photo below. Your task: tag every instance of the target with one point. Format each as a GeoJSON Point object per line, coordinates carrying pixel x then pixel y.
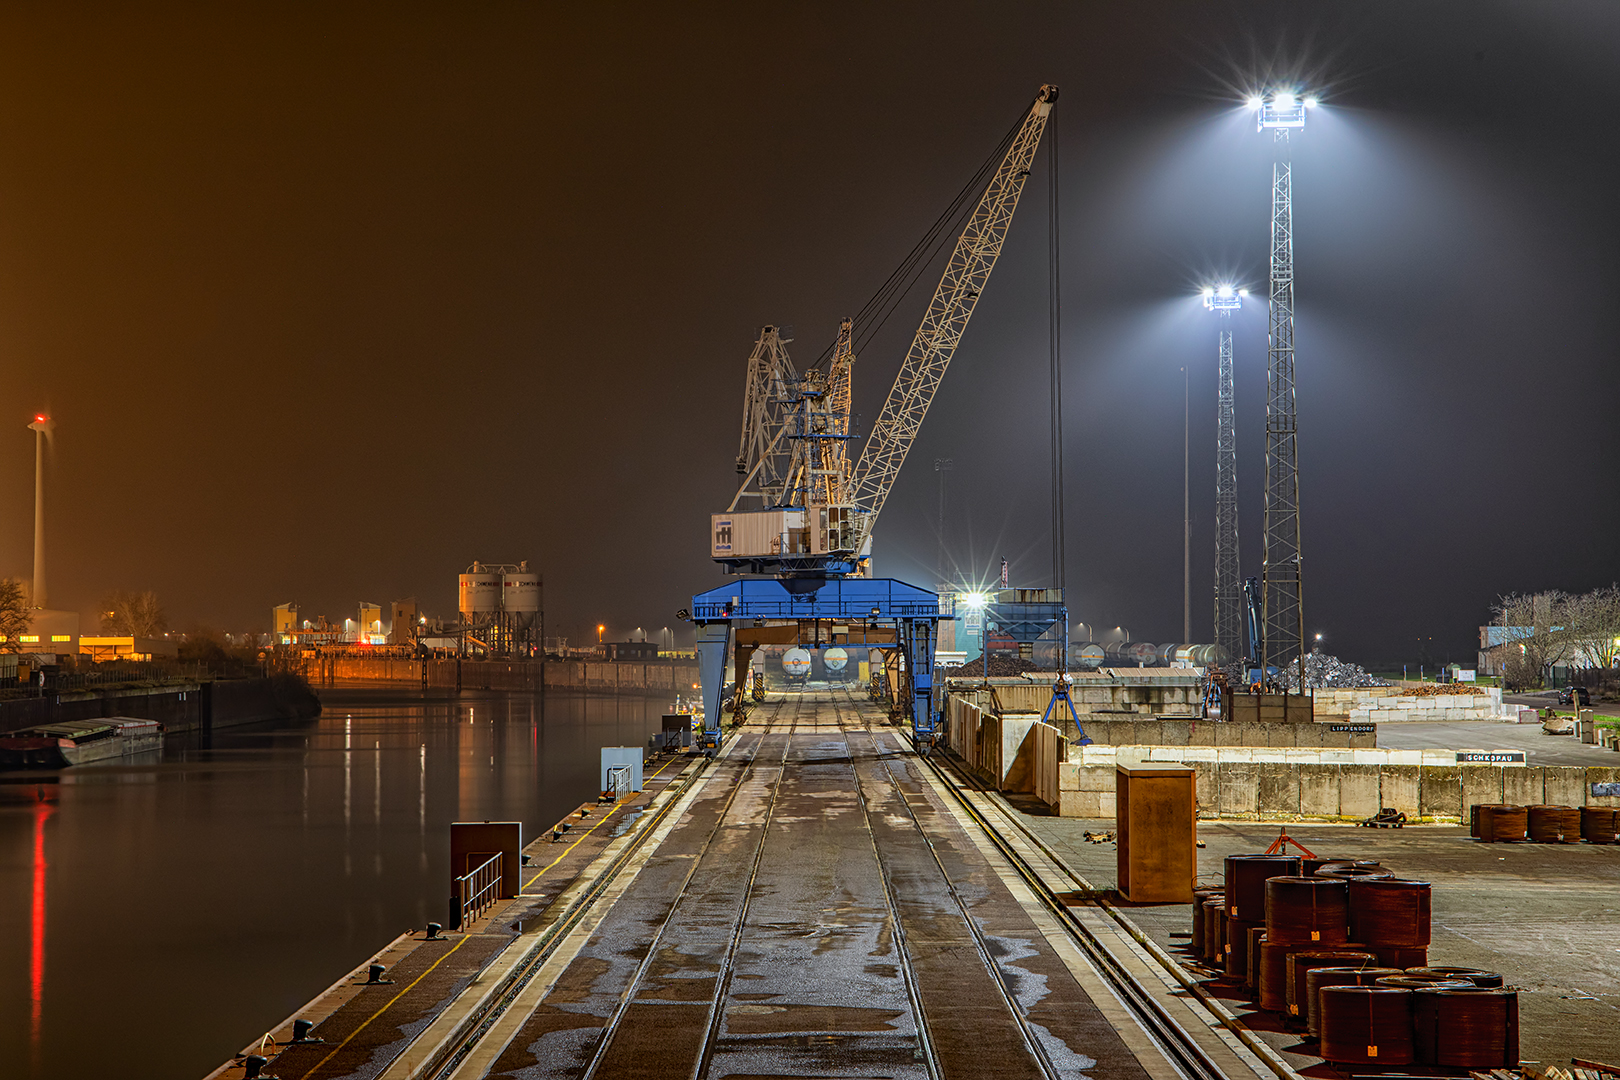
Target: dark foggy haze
{"type": "Point", "coordinates": [329, 302]}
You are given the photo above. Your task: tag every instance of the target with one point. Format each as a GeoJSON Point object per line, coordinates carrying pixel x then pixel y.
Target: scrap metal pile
{"type": "Point", "coordinates": [1328, 672]}
{"type": "Point", "coordinates": [1000, 666]}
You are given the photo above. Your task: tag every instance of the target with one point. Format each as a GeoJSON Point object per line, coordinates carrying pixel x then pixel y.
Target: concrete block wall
{"type": "Point", "coordinates": [1174, 732]}
{"type": "Point", "coordinates": [1342, 790]}
{"type": "Point", "coordinates": [1388, 704]}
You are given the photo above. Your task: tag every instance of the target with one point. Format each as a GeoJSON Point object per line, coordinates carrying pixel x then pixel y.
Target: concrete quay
{"type": "Point", "coordinates": [1547, 916]}
{"type": "Point", "coordinates": [817, 901]}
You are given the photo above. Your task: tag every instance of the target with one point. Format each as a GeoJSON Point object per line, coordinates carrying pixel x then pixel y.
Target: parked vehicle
{"type": "Point", "coordinates": [1568, 694]}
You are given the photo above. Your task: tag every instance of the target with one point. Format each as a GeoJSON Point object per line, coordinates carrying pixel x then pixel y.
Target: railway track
{"type": "Point", "coordinates": [882, 770]}
{"type": "Point", "coordinates": [1180, 1048]}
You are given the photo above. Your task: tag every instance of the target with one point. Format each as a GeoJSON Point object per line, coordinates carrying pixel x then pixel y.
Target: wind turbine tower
{"type": "Point", "coordinates": [41, 426]}
{"type": "Point", "coordinates": [1283, 603]}
{"type": "Point", "coordinates": [1223, 300]}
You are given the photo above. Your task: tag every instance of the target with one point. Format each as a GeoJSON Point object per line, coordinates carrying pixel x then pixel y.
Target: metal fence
{"type": "Point", "coordinates": [478, 889]}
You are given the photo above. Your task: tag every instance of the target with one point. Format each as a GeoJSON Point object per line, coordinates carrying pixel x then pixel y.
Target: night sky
{"type": "Point", "coordinates": [330, 300]}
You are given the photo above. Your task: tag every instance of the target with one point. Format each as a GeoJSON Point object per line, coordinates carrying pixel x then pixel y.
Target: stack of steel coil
{"type": "Point", "coordinates": [1366, 1025]}
{"type": "Point", "coordinates": [1502, 824]}
{"type": "Point", "coordinates": [1475, 1028]}
{"type": "Point", "coordinates": [1600, 824]}
{"type": "Point", "coordinates": [1391, 916]}
{"type": "Point", "coordinates": [1554, 824]}
{"type": "Point", "coordinates": [1297, 965]}
{"type": "Point", "coordinates": [1246, 902]}
{"type": "Point", "coordinates": [1251, 965]}
{"type": "Point", "coordinates": [1302, 913]}
{"type": "Point", "coordinates": [1319, 979]}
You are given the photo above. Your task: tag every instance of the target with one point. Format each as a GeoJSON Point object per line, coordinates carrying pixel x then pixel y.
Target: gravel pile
{"type": "Point", "coordinates": [1329, 672]}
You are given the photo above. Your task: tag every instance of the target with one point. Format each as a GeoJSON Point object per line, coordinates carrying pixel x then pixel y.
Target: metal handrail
{"type": "Point", "coordinates": [478, 889]}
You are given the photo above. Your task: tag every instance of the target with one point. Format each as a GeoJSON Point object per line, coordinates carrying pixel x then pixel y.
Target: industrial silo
{"type": "Point", "coordinates": [520, 590]}
{"type": "Point", "coordinates": [479, 595]}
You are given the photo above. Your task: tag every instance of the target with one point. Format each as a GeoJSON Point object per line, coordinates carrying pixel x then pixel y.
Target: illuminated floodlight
{"type": "Point", "coordinates": [1283, 109]}
{"type": "Point", "coordinates": [1312, 102]}
{"type": "Point", "coordinates": [1223, 297]}
{"type": "Point", "coordinates": [1254, 101]}
{"type": "Point", "coordinates": [976, 600]}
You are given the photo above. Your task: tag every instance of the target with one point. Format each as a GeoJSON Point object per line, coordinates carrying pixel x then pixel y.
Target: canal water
{"type": "Point", "coordinates": [158, 914]}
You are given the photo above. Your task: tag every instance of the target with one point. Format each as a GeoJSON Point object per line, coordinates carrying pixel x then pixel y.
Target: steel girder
{"type": "Point", "coordinates": [913, 612]}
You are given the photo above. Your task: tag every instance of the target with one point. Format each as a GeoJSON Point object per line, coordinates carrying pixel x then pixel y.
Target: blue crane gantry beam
{"type": "Point", "coordinates": [913, 612]}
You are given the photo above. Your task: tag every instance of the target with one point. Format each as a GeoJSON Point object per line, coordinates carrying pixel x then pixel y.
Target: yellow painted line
{"type": "Point", "coordinates": [600, 822]}
{"type": "Point", "coordinates": [388, 1006]}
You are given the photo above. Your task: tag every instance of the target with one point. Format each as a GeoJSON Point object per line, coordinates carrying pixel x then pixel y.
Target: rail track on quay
{"type": "Point", "coordinates": [908, 956]}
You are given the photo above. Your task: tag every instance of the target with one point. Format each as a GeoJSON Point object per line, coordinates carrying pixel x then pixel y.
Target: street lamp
{"type": "Point", "coordinates": [980, 602]}
{"type": "Point", "coordinates": [599, 628]}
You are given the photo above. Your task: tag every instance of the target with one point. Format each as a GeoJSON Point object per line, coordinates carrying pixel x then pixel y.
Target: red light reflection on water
{"type": "Point", "coordinates": [36, 954]}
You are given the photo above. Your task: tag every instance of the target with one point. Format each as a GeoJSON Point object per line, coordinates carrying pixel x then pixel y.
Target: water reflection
{"type": "Point", "coordinates": [191, 901]}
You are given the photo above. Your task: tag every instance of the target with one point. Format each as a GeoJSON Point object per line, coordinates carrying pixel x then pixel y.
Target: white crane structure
{"type": "Point", "coordinates": [816, 511]}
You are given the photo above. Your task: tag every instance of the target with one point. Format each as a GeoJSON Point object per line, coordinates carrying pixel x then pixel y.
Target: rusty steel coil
{"type": "Point", "coordinates": [1251, 963]}
{"type": "Point", "coordinates": [1600, 824]}
{"type": "Point", "coordinates": [1310, 866]}
{"type": "Point", "coordinates": [1502, 824]}
{"type": "Point", "coordinates": [1418, 982]}
{"type": "Point", "coordinates": [1215, 931]}
{"type": "Point", "coordinates": [1474, 815]}
{"type": "Point", "coordinates": [1404, 959]}
{"type": "Point", "coordinates": [1246, 883]}
{"type": "Point", "coordinates": [1476, 1028]}
{"type": "Point", "coordinates": [1297, 964]}
{"type": "Point", "coordinates": [1271, 972]}
{"type": "Point", "coordinates": [1366, 1025]}
{"type": "Point", "coordinates": [1349, 871]}
{"type": "Point", "coordinates": [1549, 824]}
{"type": "Point", "coordinates": [1392, 913]}
{"type": "Point", "coordinates": [1236, 943]}
{"type": "Point", "coordinates": [1488, 979]}
{"type": "Point", "coordinates": [1307, 909]}
{"type": "Point", "coordinates": [1319, 979]}
{"type": "Point", "coordinates": [1200, 898]}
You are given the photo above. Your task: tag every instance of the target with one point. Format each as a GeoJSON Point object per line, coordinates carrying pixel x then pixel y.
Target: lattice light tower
{"type": "Point", "coordinates": [1283, 604]}
{"type": "Point", "coordinates": [1223, 300]}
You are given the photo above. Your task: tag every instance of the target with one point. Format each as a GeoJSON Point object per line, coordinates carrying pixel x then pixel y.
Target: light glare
{"type": "Point", "coordinates": [1311, 103]}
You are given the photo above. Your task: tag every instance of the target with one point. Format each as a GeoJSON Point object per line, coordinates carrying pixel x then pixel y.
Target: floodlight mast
{"type": "Point", "coordinates": [1283, 603]}
{"type": "Point", "coordinates": [1228, 570]}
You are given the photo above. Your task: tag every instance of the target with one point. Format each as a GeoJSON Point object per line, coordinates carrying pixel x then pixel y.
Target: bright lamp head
{"type": "Point", "coordinates": [1222, 298]}
{"type": "Point", "coordinates": [1283, 109]}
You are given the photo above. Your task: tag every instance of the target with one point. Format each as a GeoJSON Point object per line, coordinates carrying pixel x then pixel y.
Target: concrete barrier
{"type": "Point", "coordinates": [1242, 784]}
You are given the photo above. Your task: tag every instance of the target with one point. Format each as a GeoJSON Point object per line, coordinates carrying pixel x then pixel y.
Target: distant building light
{"type": "Point", "coordinates": [29, 639]}
{"type": "Point", "coordinates": [61, 637]}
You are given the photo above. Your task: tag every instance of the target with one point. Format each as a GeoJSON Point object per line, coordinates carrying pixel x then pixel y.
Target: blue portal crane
{"type": "Point", "coordinates": [804, 513]}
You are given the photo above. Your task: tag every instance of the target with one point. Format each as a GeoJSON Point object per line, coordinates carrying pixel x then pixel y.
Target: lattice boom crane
{"type": "Point", "coordinates": [817, 515]}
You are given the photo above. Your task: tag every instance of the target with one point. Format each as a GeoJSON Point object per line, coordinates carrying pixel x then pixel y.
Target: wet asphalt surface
{"type": "Point", "coordinates": [817, 911]}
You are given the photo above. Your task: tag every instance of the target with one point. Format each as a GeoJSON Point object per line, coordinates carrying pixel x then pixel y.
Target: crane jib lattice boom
{"type": "Point", "coordinates": [948, 312]}
{"type": "Point", "coordinates": [815, 507]}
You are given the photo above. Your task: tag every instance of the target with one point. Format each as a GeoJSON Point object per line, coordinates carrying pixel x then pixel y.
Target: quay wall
{"type": "Point", "coordinates": [187, 705]}
{"type": "Point", "coordinates": [1250, 784]}
{"type": "Point", "coordinates": [662, 678]}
